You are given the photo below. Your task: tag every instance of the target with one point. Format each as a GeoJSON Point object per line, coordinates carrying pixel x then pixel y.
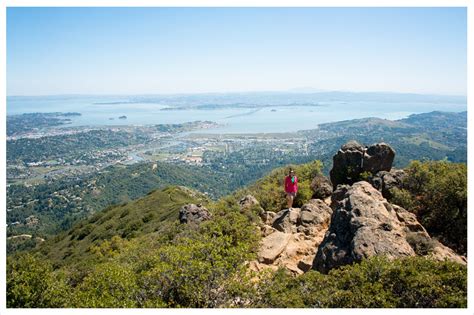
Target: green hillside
{"type": "Point", "coordinates": [59, 204]}
{"type": "Point", "coordinates": [154, 213]}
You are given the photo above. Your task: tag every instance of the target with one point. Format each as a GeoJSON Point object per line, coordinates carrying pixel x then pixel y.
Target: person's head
{"type": "Point", "coordinates": [291, 172]}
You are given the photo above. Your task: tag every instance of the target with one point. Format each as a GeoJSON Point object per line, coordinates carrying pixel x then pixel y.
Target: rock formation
{"type": "Point", "coordinates": [321, 187]}
{"type": "Point", "coordinates": [364, 224]}
{"type": "Point", "coordinates": [360, 222]}
{"type": "Point", "coordinates": [249, 203]}
{"type": "Point", "coordinates": [193, 214]}
{"type": "Point", "coordinates": [290, 238]}
{"type": "Point", "coordinates": [353, 159]}
{"type": "Point", "coordinates": [384, 181]}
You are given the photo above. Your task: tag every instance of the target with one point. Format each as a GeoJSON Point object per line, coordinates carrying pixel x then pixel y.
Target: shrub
{"type": "Point", "coordinates": [194, 272]}
{"type": "Point", "coordinates": [376, 282]}
{"type": "Point", "coordinates": [436, 192]}
{"type": "Point", "coordinates": [31, 282]}
{"type": "Point", "coordinates": [108, 285]}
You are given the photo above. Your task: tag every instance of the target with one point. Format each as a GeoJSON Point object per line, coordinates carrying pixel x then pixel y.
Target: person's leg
{"type": "Point", "coordinates": [290, 201]}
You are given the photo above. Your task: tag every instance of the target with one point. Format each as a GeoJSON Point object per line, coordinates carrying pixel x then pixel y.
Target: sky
{"type": "Point", "coordinates": [195, 50]}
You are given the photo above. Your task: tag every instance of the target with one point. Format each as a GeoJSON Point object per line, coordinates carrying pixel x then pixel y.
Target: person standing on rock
{"type": "Point", "coordinates": [291, 188]}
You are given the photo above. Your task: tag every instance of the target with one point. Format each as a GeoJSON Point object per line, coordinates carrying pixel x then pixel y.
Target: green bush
{"type": "Point", "coordinates": [414, 282]}
{"type": "Point", "coordinates": [108, 285]}
{"type": "Point", "coordinates": [436, 192]}
{"type": "Point", "coordinates": [194, 272]}
{"type": "Point", "coordinates": [31, 282]}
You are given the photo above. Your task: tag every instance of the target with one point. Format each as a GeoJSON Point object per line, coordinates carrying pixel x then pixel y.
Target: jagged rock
{"type": "Point", "coordinates": [409, 220]}
{"type": "Point", "coordinates": [378, 157]}
{"type": "Point", "coordinates": [304, 229]}
{"type": "Point", "coordinates": [299, 252]}
{"type": "Point", "coordinates": [192, 213]}
{"type": "Point", "coordinates": [353, 159]}
{"type": "Point", "coordinates": [321, 187]}
{"type": "Point", "coordinates": [272, 246]}
{"type": "Point", "coordinates": [314, 215]}
{"type": "Point", "coordinates": [363, 224]}
{"type": "Point", "coordinates": [442, 252]}
{"type": "Point", "coordinates": [347, 163]}
{"type": "Point", "coordinates": [248, 202]}
{"type": "Point", "coordinates": [268, 217]}
{"type": "Point", "coordinates": [384, 181]}
{"type": "Point", "coordinates": [286, 220]}
{"type": "Point", "coordinates": [267, 230]}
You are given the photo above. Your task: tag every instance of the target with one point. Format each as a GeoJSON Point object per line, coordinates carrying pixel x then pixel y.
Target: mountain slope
{"type": "Point", "coordinates": [153, 213]}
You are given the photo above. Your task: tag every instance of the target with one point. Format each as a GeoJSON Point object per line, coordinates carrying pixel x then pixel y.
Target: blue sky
{"type": "Point", "coordinates": [189, 50]}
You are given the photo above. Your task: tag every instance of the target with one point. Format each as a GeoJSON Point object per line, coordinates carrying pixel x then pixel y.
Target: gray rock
{"type": "Point", "coordinates": [272, 246]}
{"type": "Point", "coordinates": [287, 220]}
{"type": "Point", "coordinates": [347, 164]}
{"type": "Point", "coordinates": [385, 181]}
{"type": "Point", "coordinates": [378, 157]}
{"type": "Point", "coordinates": [321, 187]}
{"type": "Point", "coordinates": [248, 202]}
{"type": "Point", "coordinates": [192, 213]}
{"type": "Point", "coordinates": [353, 159]}
{"type": "Point", "coordinates": [315, 213]}
{"type": "Point", "coordinates": [363, 224]}
{"type": "Point", "coordinates": [268, 217]}
{"type": "Point", "coordinates": [409, 220]}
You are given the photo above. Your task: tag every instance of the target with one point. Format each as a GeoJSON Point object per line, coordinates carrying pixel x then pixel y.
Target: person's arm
{"type": "Point", "coordinates": [286, 184]}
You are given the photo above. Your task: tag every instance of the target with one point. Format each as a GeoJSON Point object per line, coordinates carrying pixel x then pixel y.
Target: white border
{"type": "Point", "coordinates": [226, 3]}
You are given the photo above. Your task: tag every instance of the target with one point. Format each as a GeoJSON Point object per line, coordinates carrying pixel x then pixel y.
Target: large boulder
{"type": "Point", "coordinates": [314, 216]}
{"type": "Point", "coordinates": [286, 220]}
{"type": "Point", "coordinates": [321, 187]}
{"type": "Point", "coordinates": [249, 202]}
{"type": "Point", "coordinates": [353, 159]}
{"type": "Point", "coordinates": [378, 157]}
{"type": "Point", "coordinates": [193, 214]}
{"type": "Point", "coordinates": [347, 163]}
{"type": "Point", "coordinates": [385, 181]}
{"type": "Point", "coordinates": [272, 246]}
{"type": "Point", "coordinates": [363, 225]}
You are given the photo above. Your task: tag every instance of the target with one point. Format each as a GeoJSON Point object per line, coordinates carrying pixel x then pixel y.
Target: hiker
{"type": "Point", "coordinates": [291, 188]}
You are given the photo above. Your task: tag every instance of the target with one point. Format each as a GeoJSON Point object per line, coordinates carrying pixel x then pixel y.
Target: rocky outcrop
{"type": "Point", "coordinates": [290, 238]}
{"type": "Point", "coordinates": [364, 224]}
{"type": "Point", "coordinates": [378, 157]}
{"type": "Point", "coordinates": [358, 224]}
{"type": "Point", "coordinates": [385, 181]}
{"type": "Point", "coordinates": [353, 159]}
{"type": "Point", "coordinates": [272, 246]}
{"type": "Point", "coordinates": [193, 214]}
{"type": "Point", "coordinates": [287, 220]}
{"type": "Point", "coordinates": [321, 187]}
{"type": "Point", "coordinates": [248, 203]}
{"type": "Point", "coordinates": [314, 217]}
{"type": "Point", "coordinates": [268, 217]}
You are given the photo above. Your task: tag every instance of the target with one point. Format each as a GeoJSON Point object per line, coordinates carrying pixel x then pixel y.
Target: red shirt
{"type": "Point", "coordinates": [291, 187]}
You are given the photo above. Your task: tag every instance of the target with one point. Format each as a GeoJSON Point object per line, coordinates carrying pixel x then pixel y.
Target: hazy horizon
{"type": "Point", "coordinates": [289, 91]}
